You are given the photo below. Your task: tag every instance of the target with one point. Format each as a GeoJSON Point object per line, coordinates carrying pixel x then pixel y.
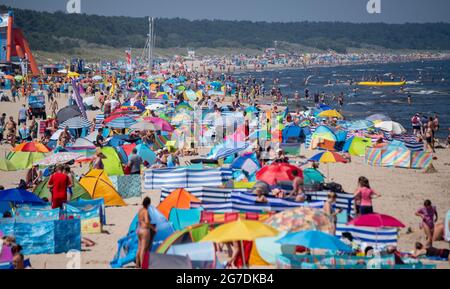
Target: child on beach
{"type": "Point", "coordinates": [429, 216]}
{"type": "Point", "coordinates": [365, 194]}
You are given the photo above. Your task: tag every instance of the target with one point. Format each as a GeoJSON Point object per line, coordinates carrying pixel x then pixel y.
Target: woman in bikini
{"type": "Point", "coordinates": [429, 216]}
{"type": "Point", "coordinates": [145, 232]}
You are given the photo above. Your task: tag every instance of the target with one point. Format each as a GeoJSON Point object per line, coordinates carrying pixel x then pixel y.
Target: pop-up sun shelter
{"type": "Point", "coordinates": [112, 163]}
{"type": "Point", "coordinates": [98, 185]}
{"type": "Point", "coordinates": [179, 198]}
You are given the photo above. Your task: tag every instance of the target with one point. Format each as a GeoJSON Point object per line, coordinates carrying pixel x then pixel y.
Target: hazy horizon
{"type": "Point", "coordinates": [354, 11]}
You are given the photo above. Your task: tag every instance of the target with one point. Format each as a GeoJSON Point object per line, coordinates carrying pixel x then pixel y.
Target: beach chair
{"type": "Point", "coordinates": [230, 217]}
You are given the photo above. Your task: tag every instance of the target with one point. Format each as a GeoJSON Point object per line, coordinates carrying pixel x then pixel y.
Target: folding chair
{"type": "Point", "coordinates": [230, 217]}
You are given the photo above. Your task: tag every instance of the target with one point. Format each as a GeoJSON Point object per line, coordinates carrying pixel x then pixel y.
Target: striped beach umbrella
{"type": "Point", "coordinates": [75, 123]}
{"type": "Point", "coordinates": [121, 122]}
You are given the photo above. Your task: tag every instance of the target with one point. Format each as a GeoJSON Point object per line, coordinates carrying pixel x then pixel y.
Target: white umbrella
{"type": "Point", "coordinates": [97, 77]}
{"type": "Point", "coordinates": [391, 126]}
{"type": "Point", "coordinates": [154, 106]}
{"type": "Point", "coordinates": [58, 158]}
{"type": "Point", "coordinates": [62, 71]}
{"type": "Point", "coordinates": [56, 135]}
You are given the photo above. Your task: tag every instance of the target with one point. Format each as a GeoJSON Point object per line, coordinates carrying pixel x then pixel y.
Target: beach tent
{"type": "Point", "coordinates": [98, 185]}
{"type": "Point", "coordinates": [143, 151]}
{"type": "Point", "coordinates": [291, 133]}
{"type": "Point", "coordinates": [6, 165]}
{"type": "Point", "coordinates": [179, 198]}
{"type": "Point", "coordinates": [112, 163]}
{"type": "Point", "coordinates": [187, 235]}
{"type": "Point", "coordinates": [24, 160]}
{"type": "Point", "coordinates": [247, 163]}
{"type": "Point", "coordinates": [182, 218]}
{"type": "Point", "coordinates": [226, 149]}
{"type": "Point", "coordinates": [356, 146]}
{"type": "Point", "coordinates": [127, 246]}
{"type": "Point", "coordinates": [78, 191]}
{"type": "Point", "coordinates": [312, 176]}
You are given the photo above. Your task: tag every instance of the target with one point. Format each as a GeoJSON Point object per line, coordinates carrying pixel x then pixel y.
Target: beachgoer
{"type": "Point", "coordinates": [58, 184]}
{"type": "Point", "coordinates": [429, 216]}
{"type": "Point", "coordinates": [99, 140]}
{"type": "Point", "coordinates": [135, 162]}
{"type": "Point", "coordinates": [297, 190]}
{"type": "Point", "coordinates": [430, 251]}
{"type": "Point", "coordinates": [34, 177]}
{"type": "Point", "coordinates": [145, 232]}
{"type": "Point", "coordinates": [366, 194]}
{"type": "Point", "coordinates": [415, 122]}
{"type": "Point", "coordinates": [332, 211]}
{"type": "Point", "coordinates": [23, 113]}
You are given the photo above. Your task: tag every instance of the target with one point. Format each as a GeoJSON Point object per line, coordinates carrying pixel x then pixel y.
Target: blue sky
{"type": "Point", "coordinates": [392, 11]}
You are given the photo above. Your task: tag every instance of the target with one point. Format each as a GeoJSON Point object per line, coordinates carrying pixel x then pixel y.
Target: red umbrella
{"type": "Point", "coordinates": [376, 220]}
{"type": "Point", "coordinates": [161, 123]}
{"type": "Point", "coordinates": [277, 172]}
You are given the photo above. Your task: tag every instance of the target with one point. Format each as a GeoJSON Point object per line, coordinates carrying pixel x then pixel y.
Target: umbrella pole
{"type": "Point", "coordinates": [243, 255]}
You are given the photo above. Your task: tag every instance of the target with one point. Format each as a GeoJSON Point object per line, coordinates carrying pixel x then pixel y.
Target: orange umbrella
{"type": "Point", "coordinates": [31, 147]}
{"type": "Point", "coordinates": [179, 198]}
{"type": "Point", "coordinates": [10, 77]}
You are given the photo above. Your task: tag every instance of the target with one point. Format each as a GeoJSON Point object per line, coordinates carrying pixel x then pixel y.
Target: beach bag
{"type": "Point", "coordinates": [334, 187]}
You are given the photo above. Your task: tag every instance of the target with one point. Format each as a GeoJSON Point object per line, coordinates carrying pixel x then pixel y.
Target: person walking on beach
{"type": "Point", "coordinates": [429, 137]}
{"type": "Point", "coordinates": [415, 122]}
{"type": "Point", "coordinates": [58, 184]}
{"type": "Point", "coordinates": [145, 232]}
{"type": "Point", "coordinates": [365, 193]}
{"type": "Point", "coordinates": [22, 115]}
{"type": "Point", "coordinates": [330, 209]}
{"type": "Point", "coordinates": [11, 130]}
{"type": "Point", "coordinates": [429, 216]}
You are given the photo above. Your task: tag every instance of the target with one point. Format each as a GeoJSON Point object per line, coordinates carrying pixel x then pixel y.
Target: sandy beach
{"type": "Point", "coordinates": [403, 192]}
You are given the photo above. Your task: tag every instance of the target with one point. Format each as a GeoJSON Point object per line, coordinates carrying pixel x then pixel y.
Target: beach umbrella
{"type": "Point", "coordinates": [76, 123]}
{"type": "Point", "coordinates": [328, 157]}
{"type": "Point", "coordinates": [31, 147]}
{"type": "Point", "coordinates": [162, 124]}
{"type": "Point", "coordinates": [247, 162]}
{"type": "Point", "coordinates": [6, 165]}
{"type": "Point", "coordinates": [314, 240]}
{"type": "Point", "coordinates": [376, 220]}
{"type": "Point", "coordinates": [277, 172]}
{"type": "Point", "coordinates": [97, 78]}
{"type": "Point", "coordinates": [358, 124]}
{"type": "Point", "coordinates": [391, 126]}
{"type": "Point", "coordinates": [226, 149]}
{"type": "Point", "coordinates": [121, 122]}
{"type": "Point", "coordinates": [18, 77]}
{"type": "Point", "coordinates": [330, 113]}
{"type": "Point", "coordinates": [113, 117]}
{"type": "Point", "coordinates": [67, 112]}
{"type": "Point", "coordinates": [155, 106]}
{"type": "Point", "coordinates": [19, 196]}
{"type": "Point", "coordinates": [240, 230]}
{"type": "Point", "coordinates": [300, 219]}
{"type": "Point", "coordinates": [190, 95]}
{"type": "Point", "coordinates": [10, 77]}
{"type": "Point", "coordinates": [59, 158]}
{"type": "Point", "coordinates": [72, 74]}
{"type": "Point", "coordinates": [378, 117]}
{"type": "Point", "coordinates": [251, 109]}
{"type": "Point", "coordinates": [143, 126]}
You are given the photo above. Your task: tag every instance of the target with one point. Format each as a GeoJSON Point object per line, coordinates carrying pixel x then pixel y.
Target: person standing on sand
{"type": "Point", "coordinates": [365, 194]}
{"type": "Point", "coordinates": [11, 130]}
{"type": "Point", "coordinates": [145, 232]}
{"type": "Point", "coordinates": [429, 216]}
{"type": "Point", "coordinates": [58, 184]}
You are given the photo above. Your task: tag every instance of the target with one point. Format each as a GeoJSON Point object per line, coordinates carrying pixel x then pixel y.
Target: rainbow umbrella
{"type": "Point", "coordinates": [328, 157]}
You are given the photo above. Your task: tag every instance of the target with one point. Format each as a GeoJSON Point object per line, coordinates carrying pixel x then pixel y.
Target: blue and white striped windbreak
{"type": "Point", "coordinates": [378, 238]}
{"type": "Point", "coordinates": [185, 178]}
{"type": "Point", "coordinates": [76, 123]}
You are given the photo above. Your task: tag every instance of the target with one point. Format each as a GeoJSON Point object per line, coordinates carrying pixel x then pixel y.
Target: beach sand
{"type": "Point", "coordinates": [403, 192]}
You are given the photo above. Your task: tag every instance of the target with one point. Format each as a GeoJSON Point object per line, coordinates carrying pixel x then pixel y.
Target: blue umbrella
{"type": "Point", "coordinates": [314, 240]}
{"type": "Point", "coordinates": [121, 122]}
{"type": "Point", "coordinates": [226, 149]}
{"type": "Point", "coordinates": [19, 196]}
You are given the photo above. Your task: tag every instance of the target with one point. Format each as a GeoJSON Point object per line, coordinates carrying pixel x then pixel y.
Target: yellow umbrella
{"type": "Point", "coordinates": [72, 74]}
{"type": "Point", "coordinates": [240, 230]}
{"type": "Point", "coordinates": [330, 113]}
